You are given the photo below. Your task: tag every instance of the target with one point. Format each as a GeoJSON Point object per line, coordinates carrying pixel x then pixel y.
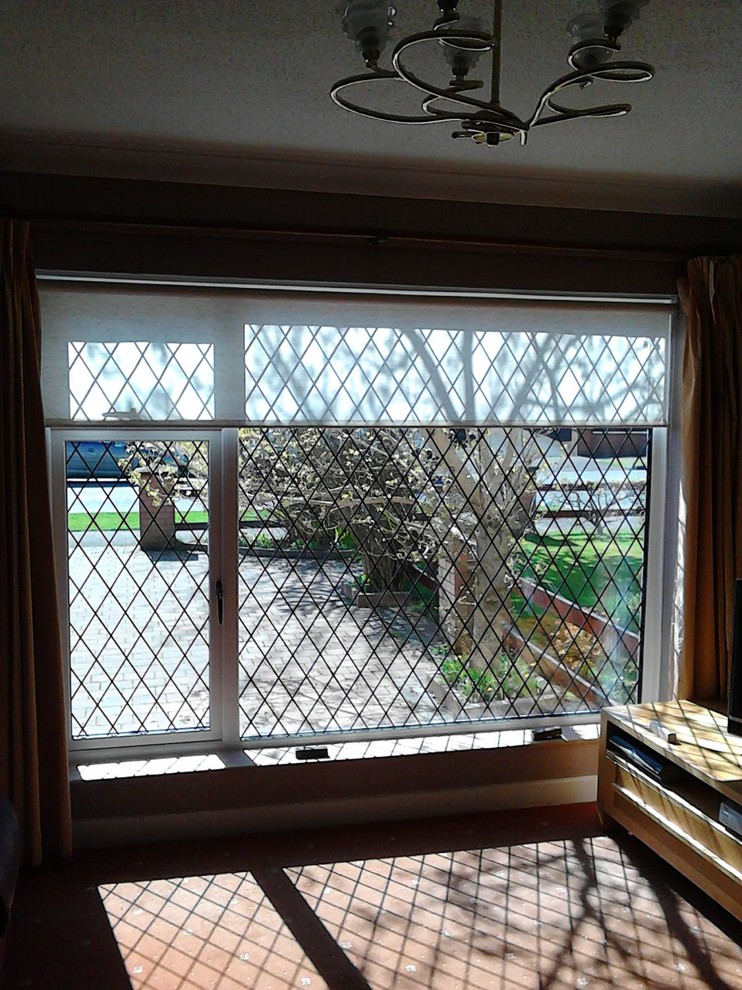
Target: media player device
{"type": "Point", "coordinates": [730, 816]}
{"type": "Point", "coordinates": [642, 757]}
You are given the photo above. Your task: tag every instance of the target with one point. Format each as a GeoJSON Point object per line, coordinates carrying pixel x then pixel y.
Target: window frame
{"type": "Point", "coordinates": [222, 511]}
{"type": "Point", "coordinates": [223, 735]}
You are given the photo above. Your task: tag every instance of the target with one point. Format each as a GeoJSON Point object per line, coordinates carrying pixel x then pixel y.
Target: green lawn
{"type": "Point", "coordinates": [109, 521]}
{"type": "Point", "coordinates": [584, 568]}
{"type": "Point", "coordinates": [587, 568]}
{"type": "Point", "coordinates": [112, 521]}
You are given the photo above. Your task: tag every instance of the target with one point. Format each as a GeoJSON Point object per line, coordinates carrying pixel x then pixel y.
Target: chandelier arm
{"type": "Point", "coordinates": [473, 122]}
{"type": "Point", "coordinates": [605, 110]}
{"type": "Point", "coordinates": [638, 72]}
{"type": "Point", "coordinates": [430, 90]}
{"type": "Point", "coordinates": [567, 113]}
{"type": "Point", "coordinates": [635, 72]}
{"type": "Point", "coordinates": [642, 72]}
{"type": "Point", "coordinates": [496, 115]}
{"type": "Point", "coordinates": [391, 118]}
{"type": "Point", "coordinates": [429, 108]}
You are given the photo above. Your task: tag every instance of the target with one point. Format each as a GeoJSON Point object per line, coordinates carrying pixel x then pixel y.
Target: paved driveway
{"type": "Point", "coordinates": [309, 659]}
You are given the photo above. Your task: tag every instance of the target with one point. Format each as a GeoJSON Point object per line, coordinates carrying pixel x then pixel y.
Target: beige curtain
{"type": "Point", "coordinates": [711, 293]}
{"type": "Point", "coordinates": [33, 751]}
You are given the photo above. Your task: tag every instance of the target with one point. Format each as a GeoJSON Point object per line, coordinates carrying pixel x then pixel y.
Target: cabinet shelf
{"type": "Point", "coordinates": [677, 814]}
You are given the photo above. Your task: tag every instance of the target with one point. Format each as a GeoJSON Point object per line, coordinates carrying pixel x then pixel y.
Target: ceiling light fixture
{"type": "Point", "coordinates": [463, 40]}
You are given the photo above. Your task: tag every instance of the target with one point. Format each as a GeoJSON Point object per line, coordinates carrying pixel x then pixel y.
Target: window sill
{"type": "Point", "coordinates": [91, 770]}
{"type": "Point", "coordinates": [162, 804]}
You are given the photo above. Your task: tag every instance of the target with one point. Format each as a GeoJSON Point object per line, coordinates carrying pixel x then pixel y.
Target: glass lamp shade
{"type": "Point", "coordinates": [462, 55]}
{"type": "Point", "coordinates": [584, 29]}
{"type": "Point", "coordinates": [367, 24]}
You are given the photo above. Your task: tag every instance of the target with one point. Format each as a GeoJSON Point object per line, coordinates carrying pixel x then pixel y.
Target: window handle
{"type": "Point", "coordinates": [219, 601]}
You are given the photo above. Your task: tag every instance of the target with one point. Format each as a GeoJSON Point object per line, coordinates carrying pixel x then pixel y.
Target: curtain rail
{"type": "Point", "coordinates": [378, 238]}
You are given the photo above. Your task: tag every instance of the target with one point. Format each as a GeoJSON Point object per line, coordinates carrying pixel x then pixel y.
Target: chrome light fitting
{"type": "Point", "coordinates": [464, 40]}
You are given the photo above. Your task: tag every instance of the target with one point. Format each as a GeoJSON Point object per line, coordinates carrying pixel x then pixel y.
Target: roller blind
{"type": "Point", "coordinates": [232, 356]}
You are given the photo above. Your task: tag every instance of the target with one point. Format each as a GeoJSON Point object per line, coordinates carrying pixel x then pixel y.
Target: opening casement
{"type": "Point", "coordinates": [291, 516]}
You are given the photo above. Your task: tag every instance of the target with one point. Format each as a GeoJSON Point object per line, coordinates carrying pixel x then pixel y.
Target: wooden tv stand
{"type": "Point", "coordinates": [678, 817]}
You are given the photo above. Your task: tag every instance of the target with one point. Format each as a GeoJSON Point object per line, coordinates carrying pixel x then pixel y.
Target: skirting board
{"type": "Point", "coordinates": [125, 830]}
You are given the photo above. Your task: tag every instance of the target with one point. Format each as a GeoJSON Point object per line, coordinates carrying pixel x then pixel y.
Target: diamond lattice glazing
{"type": "Point", "coordinates": [387, 578]}
{"type": "Point", "coordinates": [141, 380]}
{"type": "Point", "coordinates": [402, 577]}
{"type": "Point", "coordinates": [381, 375]}
{"type": "Point", "coordinates": [138, 588]}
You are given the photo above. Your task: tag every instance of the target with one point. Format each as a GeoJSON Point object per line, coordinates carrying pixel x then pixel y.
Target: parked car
{"type": "Point", "coordinates": [111, 460]}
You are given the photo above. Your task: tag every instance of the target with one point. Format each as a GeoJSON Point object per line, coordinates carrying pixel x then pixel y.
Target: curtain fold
{"type": "Point", "coordinates": [33, 749]}
{"type": "Point", "coordinates": [711, 293]}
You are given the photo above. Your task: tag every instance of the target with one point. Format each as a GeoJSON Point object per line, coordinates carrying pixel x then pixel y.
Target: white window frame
{"type": "Point", "coordinates": [223, 661]}
{"type": "Point", "coordinates": [223, 735]}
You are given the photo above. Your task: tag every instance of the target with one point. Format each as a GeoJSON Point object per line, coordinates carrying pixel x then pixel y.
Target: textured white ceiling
{"type": "Point", "coordinates": [228, 91]}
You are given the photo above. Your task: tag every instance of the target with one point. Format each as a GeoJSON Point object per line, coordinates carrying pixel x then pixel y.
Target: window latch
{"type": "Point", "coordinates": [219, 601]}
